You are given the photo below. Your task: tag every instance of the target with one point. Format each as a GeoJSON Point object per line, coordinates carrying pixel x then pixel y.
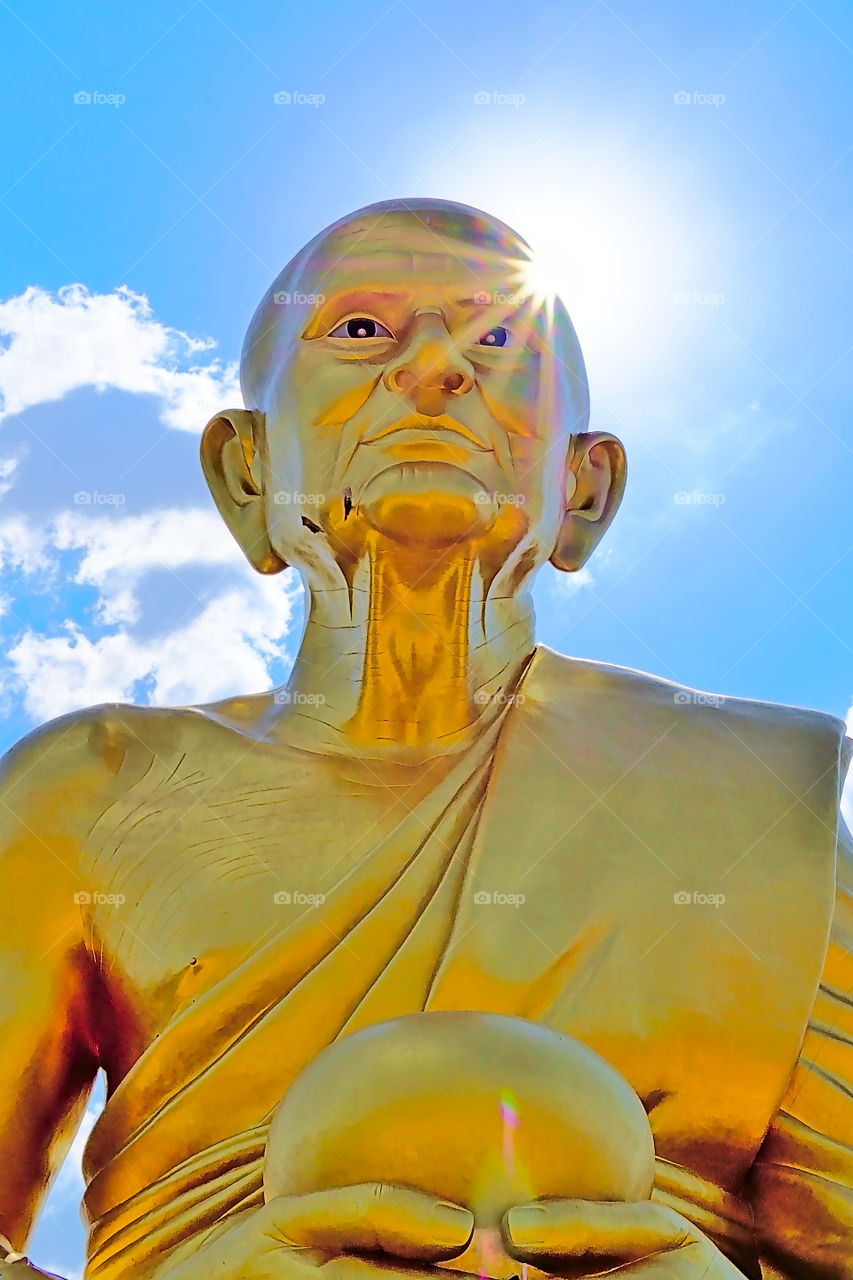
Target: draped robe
{"type": "Point", "coordinates": [602, 797]}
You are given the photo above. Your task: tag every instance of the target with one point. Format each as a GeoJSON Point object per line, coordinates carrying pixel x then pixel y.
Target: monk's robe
{"type": "Point", "coordinates": [621, 807]}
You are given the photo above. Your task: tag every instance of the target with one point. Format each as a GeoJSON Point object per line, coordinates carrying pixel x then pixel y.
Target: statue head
{"type": "Point", "coordinates": [408, 385]}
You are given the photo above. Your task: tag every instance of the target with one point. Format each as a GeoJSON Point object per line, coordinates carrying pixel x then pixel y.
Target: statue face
{"type": "Point", "coordinates": [415, 393]}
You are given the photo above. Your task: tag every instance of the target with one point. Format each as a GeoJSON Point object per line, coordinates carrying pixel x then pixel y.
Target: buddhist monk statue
{"type": "Point", "coordinates": [609, 914]}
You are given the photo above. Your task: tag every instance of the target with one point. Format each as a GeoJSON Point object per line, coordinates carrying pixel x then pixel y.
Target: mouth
{"type": "Point", "coordinates": [420, 430]}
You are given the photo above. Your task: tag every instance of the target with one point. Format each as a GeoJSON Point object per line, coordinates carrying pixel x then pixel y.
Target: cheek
{"type": "Point", "coordinates": [539, 470]}
{"type": "Point", "coordinates": [516, 397]}
{"type": "Point", "coordinates": [331, 392]}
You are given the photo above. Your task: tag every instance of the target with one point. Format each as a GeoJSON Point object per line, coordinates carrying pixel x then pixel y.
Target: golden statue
{"type": "Point", "coordinates": [556, 956]}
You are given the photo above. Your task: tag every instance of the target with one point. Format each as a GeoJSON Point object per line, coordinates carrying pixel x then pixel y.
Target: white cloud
{"type": "Point", "coordinates": [22, 544]}
{"type": "Point", "coordinates": [220, 651]}
{"type": "Point", "coordinates": [51, 344]}
{"type": "Point", "coordinates": [119, 552]}
{"type": "Point", "coordinates": [8, 467]}
{"type": "Point", "coordinates": [223, 644]}
{"type": "Point", "coordinates": [569, 583]}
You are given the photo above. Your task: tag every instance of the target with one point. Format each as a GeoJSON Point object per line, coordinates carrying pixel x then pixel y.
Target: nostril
{"type": "Point", "coordinates": [454, 381]}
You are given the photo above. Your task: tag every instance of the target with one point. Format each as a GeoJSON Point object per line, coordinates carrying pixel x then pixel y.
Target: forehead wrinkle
{"type": "Point", "coordinates": [384, 266]}
{"type": "Point", "coordinates": [458, 247]}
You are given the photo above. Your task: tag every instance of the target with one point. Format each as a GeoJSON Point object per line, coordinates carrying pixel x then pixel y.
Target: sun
{"type": "Point", "coordinates": [613, 242]}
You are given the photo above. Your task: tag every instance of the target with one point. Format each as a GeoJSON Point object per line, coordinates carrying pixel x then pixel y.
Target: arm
{"type": "Point", "coordinates": [48, 1054]}
{"type": "Point", "coordinates": [803, 1177]}
{"type": "Point", "coordinates": [52, 787]}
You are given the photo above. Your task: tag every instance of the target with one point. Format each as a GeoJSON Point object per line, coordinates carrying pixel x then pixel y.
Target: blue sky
{"type": "Point", "coordinates": [686, 169]}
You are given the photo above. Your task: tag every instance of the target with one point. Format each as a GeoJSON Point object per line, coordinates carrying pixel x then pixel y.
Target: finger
{"type": "Point", "coordinates": [373, 1216]}
{"type": "Point", "coordinates": [613, 1233]}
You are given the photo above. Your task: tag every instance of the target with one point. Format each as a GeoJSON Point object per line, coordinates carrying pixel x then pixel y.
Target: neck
{"type": "Point", "coordinates": [412, 652]}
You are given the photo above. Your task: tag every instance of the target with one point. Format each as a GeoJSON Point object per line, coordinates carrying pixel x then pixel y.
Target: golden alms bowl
{"type": "Point", "coordinates": [480, 1109]}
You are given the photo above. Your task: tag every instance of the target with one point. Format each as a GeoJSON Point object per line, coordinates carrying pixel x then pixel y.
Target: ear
{"type": "Point", "coordinates": [231, 462]}
{"type": "Point", "coordinates": [595, 481]}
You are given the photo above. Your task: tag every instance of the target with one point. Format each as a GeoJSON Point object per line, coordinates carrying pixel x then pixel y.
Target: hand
{"type": "Point", "coordinates": [297, 1237]}
{"type": "Point", "coordinates": [645, 1241]}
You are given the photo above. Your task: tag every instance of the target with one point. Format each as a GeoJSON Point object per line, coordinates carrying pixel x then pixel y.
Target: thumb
{"type": "Point", "coordinates": [615, 1234]}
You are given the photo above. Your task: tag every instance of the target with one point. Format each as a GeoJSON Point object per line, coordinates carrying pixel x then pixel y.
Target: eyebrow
{"type": "Point", "coordinates": [357, 297]}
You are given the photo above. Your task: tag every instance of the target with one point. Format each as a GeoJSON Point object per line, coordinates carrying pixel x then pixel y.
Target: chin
{"type": "Point", "coordinates": [428, 504]}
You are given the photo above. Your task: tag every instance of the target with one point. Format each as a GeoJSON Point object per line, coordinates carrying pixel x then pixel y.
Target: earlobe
{"type": "Point", "coordinates": [231, 462]}
{"type": "Point", "coordinates": [595, 483]}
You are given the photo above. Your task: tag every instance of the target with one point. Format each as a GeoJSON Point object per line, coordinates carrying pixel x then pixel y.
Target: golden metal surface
{"type": "Point", "coordinates": [435, 821]}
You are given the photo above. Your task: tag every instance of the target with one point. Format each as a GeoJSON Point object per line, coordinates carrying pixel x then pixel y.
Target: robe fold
{"type": "Point", "coordinates": [675, 858]}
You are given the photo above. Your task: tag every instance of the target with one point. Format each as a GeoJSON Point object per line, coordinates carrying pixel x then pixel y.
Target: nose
{"type": "Point", "coordinates": [431, 368]}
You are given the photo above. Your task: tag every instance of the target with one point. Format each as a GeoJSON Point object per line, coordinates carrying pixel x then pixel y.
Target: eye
{"type": "Point", "coordinates": [497, 337]}
{"type": "Point", "coordinates": [361, 327]}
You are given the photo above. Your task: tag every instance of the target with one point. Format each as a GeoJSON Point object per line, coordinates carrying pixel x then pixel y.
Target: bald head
{"type": "Point", "coordinates": [400, 229]}
{"type": "Point", "coordinates": [407, 379]}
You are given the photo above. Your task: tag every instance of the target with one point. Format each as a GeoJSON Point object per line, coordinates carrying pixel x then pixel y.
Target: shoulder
{"type": "Point", "coordinates": [566, 678]}
{"type": "Point", "coordinates": [765, 752]}
{"type": "Point", "coordinates": [61, 776]}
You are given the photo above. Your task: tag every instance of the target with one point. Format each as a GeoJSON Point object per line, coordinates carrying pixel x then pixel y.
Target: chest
{"type": "Point", "coordinates": [194, 869]}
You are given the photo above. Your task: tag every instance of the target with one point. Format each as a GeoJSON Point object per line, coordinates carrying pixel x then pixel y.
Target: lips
{"type": "Point", "coordinates": [418, 427]}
